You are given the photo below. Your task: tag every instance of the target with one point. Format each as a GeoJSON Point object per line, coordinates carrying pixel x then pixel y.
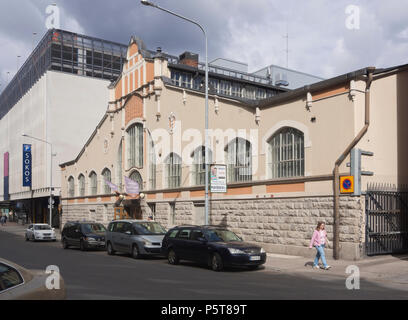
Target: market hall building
{"type": "Point", "coordinates": [285, 154]}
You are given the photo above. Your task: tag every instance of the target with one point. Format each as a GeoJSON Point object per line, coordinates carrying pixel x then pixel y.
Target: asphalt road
{"type": "Point", "coordinates": [95, 275]}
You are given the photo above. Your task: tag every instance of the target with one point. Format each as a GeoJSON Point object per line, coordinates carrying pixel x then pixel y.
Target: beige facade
{"type": "Point", "coordinates": [279, 213]}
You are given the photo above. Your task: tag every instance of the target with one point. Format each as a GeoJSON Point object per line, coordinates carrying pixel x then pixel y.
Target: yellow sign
{"type": "Point", "coordinates": [347, 184]}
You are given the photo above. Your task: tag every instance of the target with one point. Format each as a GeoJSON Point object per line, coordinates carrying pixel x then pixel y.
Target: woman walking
{"type": "Point", "coordinates": [319, 240]}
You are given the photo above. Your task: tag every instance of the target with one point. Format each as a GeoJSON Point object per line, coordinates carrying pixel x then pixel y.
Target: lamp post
{"type": "Point", "coordinates": [50, 201]}
{"type": "Point", "coordinates": [151, 4]}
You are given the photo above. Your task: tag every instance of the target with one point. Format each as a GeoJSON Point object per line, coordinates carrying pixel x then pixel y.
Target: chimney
{"type": "Point", "coordinates": [189, 59]}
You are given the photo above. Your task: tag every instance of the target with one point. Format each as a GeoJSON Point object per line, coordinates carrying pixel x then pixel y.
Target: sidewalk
{"type": "Point", "coordinates": [389, 270]}
{"type": "Point", "coordinates": [18, 229]}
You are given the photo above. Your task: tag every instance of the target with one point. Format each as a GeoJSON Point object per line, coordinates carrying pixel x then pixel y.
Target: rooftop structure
{"type": "Point", "coordinates": [66, 52]}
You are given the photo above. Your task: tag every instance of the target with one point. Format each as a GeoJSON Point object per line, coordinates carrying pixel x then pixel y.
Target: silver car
{"type": "Point", "coordinates": [136, 237]}
{"type": "Point", "coordinates": [18, 283]}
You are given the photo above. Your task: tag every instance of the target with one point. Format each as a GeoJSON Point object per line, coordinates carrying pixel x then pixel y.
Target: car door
{"type": "Point", "coordinates": [198, 247]}
{"type": "Point", "coordinates": [126, 237]}
{"type": "Point", "coordinates": [116, 234]}
{"type": "Point", "coordinates": [76, 234]}
{"type": "Point", "coordinates": [180, 243]}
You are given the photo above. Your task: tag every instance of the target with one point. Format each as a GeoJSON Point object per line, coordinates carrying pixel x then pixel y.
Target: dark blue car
{"type": "Point", "coordinates": [215, 246]}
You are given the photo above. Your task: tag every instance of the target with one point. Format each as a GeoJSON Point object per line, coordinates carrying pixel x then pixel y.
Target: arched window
{"type": "Point", "coordinates": [173, 170]}
{"type": "Point", "coordinates": [199, 165]}
{"type": "Point", "coordinates": [287, 154]}
{"type": "Point", "coordinates": [93, 184]}
{"type": "Point", "coordinates": [107, 176]}
{"type": "Point", "coordinates": [134, 146]}
{"type": "Point", "coordinates": [71, 187]}
{"type": "Point", "coordinates": [239, 160]}
{"type": "Point", "coordinates": [119, 166]}
{"type": "Point", "coordinates": [152, 164]}
{"type": "Point", "coordinates": [135, 176]}
{"type": "Point", "coordinates": [81, 180]}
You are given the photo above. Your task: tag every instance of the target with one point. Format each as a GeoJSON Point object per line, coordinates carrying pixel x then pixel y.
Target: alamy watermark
{"type": "Point", "coordinates": [353, 17]}
{"type": "Point", "coordinates": [52, 20]}
{"type": "Point", "coordinates": [353, 280]}
{"type": "Point", "coordinates": [53, 281]}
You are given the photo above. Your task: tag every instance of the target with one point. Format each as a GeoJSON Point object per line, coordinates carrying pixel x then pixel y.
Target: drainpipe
{"type": "Point", "coordinates": [339, 161]}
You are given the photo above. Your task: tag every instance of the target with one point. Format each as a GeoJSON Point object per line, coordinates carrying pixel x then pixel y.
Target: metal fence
{"type": "Point", "coordinates": [386, 220]}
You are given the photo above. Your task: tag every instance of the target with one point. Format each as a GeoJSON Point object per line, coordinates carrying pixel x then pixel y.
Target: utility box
{"type": "Point", "coordinates": [355, 168]}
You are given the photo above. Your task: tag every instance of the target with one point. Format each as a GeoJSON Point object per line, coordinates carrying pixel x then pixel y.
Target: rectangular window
{"type": "Point", "coordinates": [9, 277]}
{"type": "Point", "coordinates": [186, 80]}
{"type": "Point", "coordinates": [152, 164]}
{"type": "Point", "coordinates": [213, 84]}
{"type": "Point", "coordinates": [152, 207]}
{"type": "Point", "coordinates": [173, 171]}
{"type": "Point", "coordinates": [236, 90]}
{"type": "Point", "coordinates": [175, 77]}
{"type": "Point", "coordinates": [135, 146]}
{"type": "Point", "coordinates": [225, 87]}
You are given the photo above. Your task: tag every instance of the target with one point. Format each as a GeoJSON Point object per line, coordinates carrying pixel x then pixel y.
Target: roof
{"type": "Point", "coordinates": [321, 85]}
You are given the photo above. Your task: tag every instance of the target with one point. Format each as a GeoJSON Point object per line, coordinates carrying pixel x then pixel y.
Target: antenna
{"type": "Point", "coordinates": [287, 44]}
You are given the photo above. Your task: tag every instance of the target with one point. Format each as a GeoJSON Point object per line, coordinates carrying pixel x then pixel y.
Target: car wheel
{"type": "Point", "coordinates": [216, 262]}
{"type": "Point", "coordinates": [26, 238]}
{"type": "Point", "coordinates": [135, 252]}
{"type": "Point", "coordinates": [172, 257]}
{"type": "Point", "coordinates": [111, 252]}
{"type": "Point", "coordinates": [33, 238]}
{"type": "Point", "coordinates": [65, 244]}
{"type": "Point", "coordinates": [82, 246]}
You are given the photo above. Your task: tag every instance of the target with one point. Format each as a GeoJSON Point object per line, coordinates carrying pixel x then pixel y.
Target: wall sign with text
{"type": "Point", "coordinates": [218, 178]}
{"type": "Point", "coordinates": [27, 165]}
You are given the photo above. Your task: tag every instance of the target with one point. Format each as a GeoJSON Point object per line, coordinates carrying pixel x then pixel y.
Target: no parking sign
{"type": "Point", "coordinates": [347, 184]}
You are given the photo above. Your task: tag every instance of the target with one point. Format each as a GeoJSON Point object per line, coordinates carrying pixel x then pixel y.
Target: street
{"type": "Point", "coordinates": [95, 275]}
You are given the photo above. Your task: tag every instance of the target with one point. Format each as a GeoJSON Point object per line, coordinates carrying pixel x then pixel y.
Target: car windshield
{"type": "Point", "coordinates": [146, 228]}
{"type": "Point", "coordinates": [221, 235]}
{"type": "Point", "coordinates": [42, 227]}
{"type": "Point", "coordinates": [93, 228]}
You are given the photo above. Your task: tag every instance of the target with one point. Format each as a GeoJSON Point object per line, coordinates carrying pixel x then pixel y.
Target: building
{"type": "Point", "coordinates": [285, 153]}
{"type": "Point", "coordinates": [290, 79]}
{"type": "Point", "coordinates": [59, 90]}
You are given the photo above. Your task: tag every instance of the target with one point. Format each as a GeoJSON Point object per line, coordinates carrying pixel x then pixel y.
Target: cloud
{"type": "Point", "coordinates": [248, 31]}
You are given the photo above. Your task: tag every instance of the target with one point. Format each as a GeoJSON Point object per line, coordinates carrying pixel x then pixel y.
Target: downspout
{"type": "Point", "coordinates": [339, 161]}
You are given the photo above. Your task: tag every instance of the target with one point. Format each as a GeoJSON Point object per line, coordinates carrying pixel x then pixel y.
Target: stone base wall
{"type": "Point", "coordinates": [283, 225]}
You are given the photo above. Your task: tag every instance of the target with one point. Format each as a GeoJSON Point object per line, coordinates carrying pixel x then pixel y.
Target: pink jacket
{"type": "Point", "coordinates": [316, 238]}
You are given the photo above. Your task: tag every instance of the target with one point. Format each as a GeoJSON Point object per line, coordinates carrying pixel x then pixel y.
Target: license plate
{"type": "Point", "coordinates": [255, 258]}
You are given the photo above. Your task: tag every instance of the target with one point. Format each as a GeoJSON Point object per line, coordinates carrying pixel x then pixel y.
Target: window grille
{"type": "Point", "coordinates": [286, 154]}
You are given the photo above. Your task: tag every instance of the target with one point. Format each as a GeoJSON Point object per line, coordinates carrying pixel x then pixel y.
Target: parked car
{"type": "Point", "coordinates": [40, 231]}
{"type": "Point", "coordinates": [84, 235]}
{"type": "Point", "coordinates": [135, 237]}
{"type": "Point", "coordinates": [216, 247]}
{"type": "Point", "coordinates": [18, 283]}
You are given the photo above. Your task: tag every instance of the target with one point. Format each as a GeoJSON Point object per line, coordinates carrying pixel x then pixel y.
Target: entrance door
{"type": "Point", "coordinates": [134, 211]}
{"type": "Point", "coordinates": [199, 214]}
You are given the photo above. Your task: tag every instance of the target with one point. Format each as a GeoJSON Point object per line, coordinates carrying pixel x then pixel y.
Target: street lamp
{"type": "Point", "coordinates": [50, 201]}
{"type": "Point", "coordinates": [151, 4]}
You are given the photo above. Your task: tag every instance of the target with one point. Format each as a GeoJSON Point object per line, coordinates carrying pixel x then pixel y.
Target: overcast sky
{"type": "Point", "coordinates": [252, 31]}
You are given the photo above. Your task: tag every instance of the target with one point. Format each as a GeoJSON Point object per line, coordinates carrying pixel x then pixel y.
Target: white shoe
{"type": "Point", "coordinates": [316, 267]}
{"type": "Point", "coordinates": [327, 268]}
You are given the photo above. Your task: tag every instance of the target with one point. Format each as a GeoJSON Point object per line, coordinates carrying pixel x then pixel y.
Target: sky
{"type": "Point", "coordinates": [326, 38]}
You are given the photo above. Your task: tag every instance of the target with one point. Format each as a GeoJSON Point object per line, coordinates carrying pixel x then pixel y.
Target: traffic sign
{"type": "Point", "coordinates": [347, 184]}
